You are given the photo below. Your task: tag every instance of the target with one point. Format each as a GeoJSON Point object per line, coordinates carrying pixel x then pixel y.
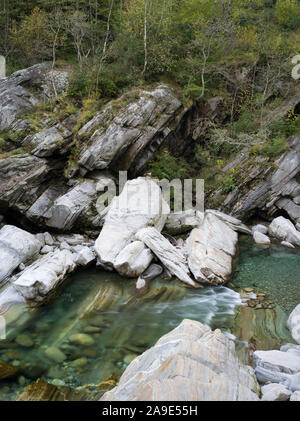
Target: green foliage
{"type": "Point", "coordinates": [228, 184]}
{"type": "Point", "coordinates": [167, 166]}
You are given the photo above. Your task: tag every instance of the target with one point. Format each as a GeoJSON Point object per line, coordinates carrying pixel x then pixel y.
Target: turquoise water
{"type": "Point", "coordinates": [273, 270]}
{"type": "Point", "coordinates": [115, 324]}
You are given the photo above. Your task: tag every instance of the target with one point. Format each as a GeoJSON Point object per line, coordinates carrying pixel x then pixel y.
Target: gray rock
{"type": "Point", "coordinates": [190, 363]}
{"type": "Point", "coordinates": [152, 272]}
{"type": "Point", "coordinates": [293, 323]}
{"type": "Point", "coordinates": [47, 142]}
{"type": "Point", "coordinates": [282, 362]}
{"type": "Point", "coordinates": [275, 392]}
{"type": "Point", "coordinates": [118, 140]}
{"type": "Point", "coordinates": [48, 239]}
{"type": "Point", "coordinates": [55, 354]}
{"type": "Point", "coordinates": [47, 249]}
{"type": "Point", "coordinates": [181, 222]}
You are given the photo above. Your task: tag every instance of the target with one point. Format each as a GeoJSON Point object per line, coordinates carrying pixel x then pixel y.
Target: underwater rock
{"type": "Point", "coordinates": [7, 370]}
{"type": "Point", "coordinates": [24, 340]}
{"type": "Point", "coordinates": [55, 354]}
{"type": "Point", "coordinates": [293, 323]}
{"type": "Point", "coordinates": [171, 257]}
{"type": "Point", "coordinates": [139, 205]}
{"type": "Point", "coordinates": [132, 261]}
{"type": "Point", "coordinates": [82, 339]}
{"type": "Point", "coordinates": [191, 363]}
{"type": "Point", "coordinates": [210, 249]}
{"type": "Point", "coordinates": [260, 228]}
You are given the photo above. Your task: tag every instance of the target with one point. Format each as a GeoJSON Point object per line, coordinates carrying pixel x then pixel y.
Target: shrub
{"type": "Point", "coordinates": [167, 166]}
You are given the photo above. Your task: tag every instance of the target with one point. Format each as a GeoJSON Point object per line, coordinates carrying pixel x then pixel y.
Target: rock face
{"type": "Point", "coordinates": [21, 177]}
{"type": "Point", "coordinates": [269, 191]}
{"type": "Point", "coordinates": [171, 257]}
{"type": "Point", "coordinates": [44, 275]}
{"type": "Point", "coordinates": [126, 138]}
{"type": "Point", "coordinates": [139, 205]}
{"type": "Point", "coordinates": [49, 141]}
{"type": "Point", "coordinates": [16, 246]}
{"type": "Point", "coordinates": [191, 363]}
{"type": "Point", "coordinates": [284, 230]}
{"type": "Point", "coordinates": [293, 323]}
{"type": "Point", "coordinates": [210, 249]}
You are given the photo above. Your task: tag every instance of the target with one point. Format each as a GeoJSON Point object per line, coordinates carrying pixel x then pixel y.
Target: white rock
{"type": "Point", "coordinates": [41, 238]}
{"type": "Point", "coordinates": [277, 361]}
{"type": "Point", "coordinates": [260, 228]}
{"type": "Point", "coordinates": [298, 226]}
{"type": "Point", "coordinates": [133, 260]}
{"type": "Point", "coordinates": [293, 323]}
{"type": "Point", "coordinates": [275, 392]}
{"type": "Point", "coordinates": [16, 246]}
{"type": "Point", "coordinates": [47, 249]}
{"type": "Point", "coordinates": [84, 255]}
{"type": "Point", "coordinates": [283, 229]}
{"type": "Point", "coordinates": [44, 275]}
{"type": "Point", "coordinates": [233, 222]}
{"type": "Point", "coordinates": [170, 256]}
{"type": "Point", "coordinates": [287, 244]}
{"type": "Point", "coordinates": [65, 246]}
{"type": "Point", "coordinates": [260, 238]}
{"type": "Point", "coordinates": [295, 396]}
{"type": "Point", "coordinates": [210, 249]}
{"type": "Point", "coordinates": [48, 239]}
{"type": "Point", "coordinates": [139, 205]}
{"type": "Point", "coordinates": [190, 363]}
{"type": "Point", "coordinates": [140, 283]}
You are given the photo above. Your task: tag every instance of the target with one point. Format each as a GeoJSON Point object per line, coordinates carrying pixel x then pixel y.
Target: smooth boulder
{"type": "Point", "coordinates": [284, 230]}
{"type": "Point", "coordinates": [133, 260]}
{"type": "Point", "coordinates": [293, 323]}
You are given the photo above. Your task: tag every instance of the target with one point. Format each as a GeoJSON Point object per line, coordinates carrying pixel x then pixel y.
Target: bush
{"type": "Point", "coordinates": [167, 166]}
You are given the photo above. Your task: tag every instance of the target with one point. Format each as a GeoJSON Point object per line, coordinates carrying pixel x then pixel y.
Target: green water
{"type": "Point", "coordinates": [273, 270]}
{"type": "Point", "coordinates": [121, 324]}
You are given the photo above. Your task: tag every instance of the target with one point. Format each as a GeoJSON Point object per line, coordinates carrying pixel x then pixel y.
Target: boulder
{"type": "Point", "coordinates": [261, 239]}
{"type": "Point", "coordinates": [275, 392]}
{"type": "Point", "coordinates": [284, 230]}
{"type": "Point", "coordinates": [172, 258]}
{"type": "Point", "coordinates": [210, 249]}
{"type": "Point", "coordinates": [16, 246]}
{"type": "Point", "coordinates": [190, 363]}
{"type": "Point", "coordinates": [42, 277]}
{"type": "Point", "coordinates": [133, 260]}
{"type": "Point", "coordinates": [152, 272]}
{"type": "Point", "coordinates": [293, 323]}
{"type": "Point", "coordinates": [84, 255]}
{"type": "Point", "coordinates": [260, 228]}
{"type": "Point", "coordinates": [234, 223]}
{"type": "Point", "coordinates": [139, 205]}
{"type": "Point", "coordinates": [287, 244]}
{"type": "Point", "coordinates": [182, 222]}
{"type": "Point", "coordinates": [125, 136]}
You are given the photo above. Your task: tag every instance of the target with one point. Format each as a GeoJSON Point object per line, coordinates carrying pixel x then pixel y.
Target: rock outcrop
{"type": "Point", "coordinates": [124, 136]}
{"type": "Point", "coordinates": [267, 191]}
{"type": "Point", "coordinates": [191, 363]}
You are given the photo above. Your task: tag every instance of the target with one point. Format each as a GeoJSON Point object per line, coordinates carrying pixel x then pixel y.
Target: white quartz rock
{"type": "Point", "coordinates": [260, 238]}
{"type": "Point", "coordinates": [133, 260]}
{"type": "Point", "coordinates": [284, 230]}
